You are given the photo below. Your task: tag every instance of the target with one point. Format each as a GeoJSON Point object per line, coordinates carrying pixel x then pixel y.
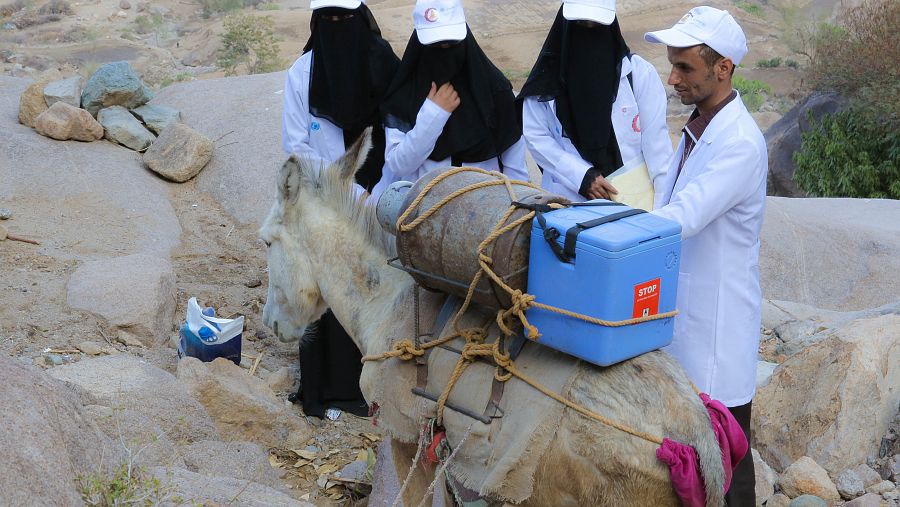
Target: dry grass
{"type": "Point", "coordinates": [7, 10]}
{"type": "Point", "coordinates": [56, 7]}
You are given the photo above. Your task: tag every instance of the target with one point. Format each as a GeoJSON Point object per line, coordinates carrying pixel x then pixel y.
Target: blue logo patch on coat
{"type": "Point", "coordinates": [315, 126]}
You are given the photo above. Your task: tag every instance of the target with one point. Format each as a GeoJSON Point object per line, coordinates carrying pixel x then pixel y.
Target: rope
{"type": "Point", "coordinates": [439, 471]}
{"type": "Point", "coordinates": [412, 469]}
{"type": "Point", "coordinates": [475, 347]}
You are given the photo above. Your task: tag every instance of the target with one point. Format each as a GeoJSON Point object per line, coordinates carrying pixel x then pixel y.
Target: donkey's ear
{"type": "Point", "coordinates": [289, 179]}
{"type": "Point", "coordinates": [356, 155]}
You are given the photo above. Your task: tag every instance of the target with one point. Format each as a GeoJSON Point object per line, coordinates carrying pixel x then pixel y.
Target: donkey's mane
{"type": "Point", "coordinates": [337, 193]}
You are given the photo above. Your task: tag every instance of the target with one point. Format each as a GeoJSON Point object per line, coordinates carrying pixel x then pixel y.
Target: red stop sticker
{"type": "Point", "coordinates": [646, 299]}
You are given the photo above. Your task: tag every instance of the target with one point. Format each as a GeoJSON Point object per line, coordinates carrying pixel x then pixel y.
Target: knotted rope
{"type": "Point", "coordinates": [506, 319]}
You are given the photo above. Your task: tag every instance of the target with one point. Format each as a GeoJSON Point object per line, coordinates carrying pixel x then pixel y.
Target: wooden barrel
{"type": "Point", "coordinates": [441, 253]}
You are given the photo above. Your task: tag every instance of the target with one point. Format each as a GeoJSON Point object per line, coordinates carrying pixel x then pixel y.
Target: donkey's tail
{"type": "Point", "coordinates": [711, 467]}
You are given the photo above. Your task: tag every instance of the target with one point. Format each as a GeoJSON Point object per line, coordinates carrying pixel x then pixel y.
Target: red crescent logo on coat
{"type": "Point", "coordinates": [636, 123]}
{"type": "Point", "coordinates": [431, 15]}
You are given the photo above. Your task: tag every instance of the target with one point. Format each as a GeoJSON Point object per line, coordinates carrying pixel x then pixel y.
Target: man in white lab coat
{"type": "Point", "coordinates": [716, 189]}
{"type": "Point", "coordinates": [449, 105]}
{"type": "Point", "coordinates": [332, 93]}
{"type": "Point", "coordinates": [590, 108]}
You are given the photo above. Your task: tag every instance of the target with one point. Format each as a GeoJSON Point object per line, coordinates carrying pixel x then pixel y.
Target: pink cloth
{"type": "Point", "coordinates": [684, 465]}
{"type": "Point", "coordinates": [732, 440]}
{"type": "Point", "coordinates": [684, 470]}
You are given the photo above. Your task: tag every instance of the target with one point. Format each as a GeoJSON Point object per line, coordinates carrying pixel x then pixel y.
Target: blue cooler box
{"type": "Point", "coordinates": [611, 262]}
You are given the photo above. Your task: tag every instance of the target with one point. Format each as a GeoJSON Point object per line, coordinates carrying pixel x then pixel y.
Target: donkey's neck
{"type": "Point", "coordinates": [369, 298]}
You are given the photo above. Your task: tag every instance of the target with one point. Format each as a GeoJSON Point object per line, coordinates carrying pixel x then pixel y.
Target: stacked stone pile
{"type": "Point", "coordinates": [114, 104]}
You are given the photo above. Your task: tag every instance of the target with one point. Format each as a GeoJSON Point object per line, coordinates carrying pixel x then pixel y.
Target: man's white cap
{"type": "Point", "coordinates": [705, 25]}
{"type": "Point", "coordinates": [439, 20]}
{"type": "Point", "coordinates": [601, 11]}
{"type": "Point", "coordinates": [343, 4]}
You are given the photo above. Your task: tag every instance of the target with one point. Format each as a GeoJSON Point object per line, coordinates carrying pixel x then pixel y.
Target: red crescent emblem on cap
{"type": "Point", "coordinates": [431, 15]}
{"type": "Point", "coordinates": [636, 123]}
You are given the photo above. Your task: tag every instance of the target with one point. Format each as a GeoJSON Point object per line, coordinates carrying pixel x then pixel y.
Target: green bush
{"type": "Point", "coordinates": [249, 41]}
{"type": "Point", "coordinates": [771, 63]}
{"type": "Point", "coordinates": [753, 91]}
{"type": "Point", "coordinates": [853, 153]}
{"type": "Point", "coordinates": [792, 63]}
{"type": "Point", "coordinates": [750, 8]}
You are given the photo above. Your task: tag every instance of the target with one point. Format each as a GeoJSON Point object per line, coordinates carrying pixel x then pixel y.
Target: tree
{"type": "Point", "coordinates": [249, 41]}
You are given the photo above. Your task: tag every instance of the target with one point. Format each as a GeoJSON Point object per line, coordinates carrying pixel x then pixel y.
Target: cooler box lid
{"type": "Point", "coordinates": [633, 232]}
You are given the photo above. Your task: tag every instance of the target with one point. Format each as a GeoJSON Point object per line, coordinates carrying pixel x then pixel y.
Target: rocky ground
{"type": "Point", "coordinates": [88, 318]}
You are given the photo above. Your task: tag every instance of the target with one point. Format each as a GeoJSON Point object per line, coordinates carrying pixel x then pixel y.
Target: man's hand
{"type": "Point", "coordinates": [601, 189]}
{"type": "Point", "coordinates": [445, 97]}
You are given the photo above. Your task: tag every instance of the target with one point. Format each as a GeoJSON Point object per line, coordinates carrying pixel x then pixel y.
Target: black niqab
{"type": "Point", "coordinates": [580, 67]}
{"type": "Point", "coordinates": [483, 126]}
{"type": "Point", "coordinates": [352, 69]}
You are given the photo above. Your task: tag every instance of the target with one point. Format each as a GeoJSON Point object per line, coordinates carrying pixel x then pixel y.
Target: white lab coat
{"type": "Point", "coordinates": [639, 121]}
{"type": "Point", "coordinates": [406, 154]}
{"type": "Point", "coordinates": [314, 139]}
{"type": "Point", "coordinates": [719, 199]}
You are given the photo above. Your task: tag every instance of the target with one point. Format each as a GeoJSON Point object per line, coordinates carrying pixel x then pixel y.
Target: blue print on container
{"type": "Point", "coordinates": [315, 126]}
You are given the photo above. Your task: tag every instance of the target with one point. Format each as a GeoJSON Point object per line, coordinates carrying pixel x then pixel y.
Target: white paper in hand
{"type": "Point", "coordinates": [633, 182]}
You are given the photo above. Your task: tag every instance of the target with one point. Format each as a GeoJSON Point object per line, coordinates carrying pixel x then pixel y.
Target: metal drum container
{"type": "Point", "coordinates": [441, 253]}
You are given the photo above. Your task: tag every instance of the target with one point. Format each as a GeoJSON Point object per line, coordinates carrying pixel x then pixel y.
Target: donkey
{"type": "Point", "coordinates": [326, 249]}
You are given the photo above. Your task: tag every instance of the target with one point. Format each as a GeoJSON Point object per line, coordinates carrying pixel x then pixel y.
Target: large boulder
{"type": "Point", "coordinates": [135, 293]}
{"type": "Point", "coordinates": [240, 460]}
{"type": "Point", "coordinates": [31, 101]}
{"type": "Point", "coordinates": [47, 439]}
{"type": "Point", "coordinates": [251, 125]}
{"type": "Point", "coordinates": [783, 140]}
{"type": "Point", "coordinates": [114, 84]}
{"type": "Point", "coordinates": [126, 382]}
{"type": "Point", "coordinates": [806, 477]}
{"type": "Point", "coordinates": [834, 400]}
{"type": "Point", "coordinates": [141, 436]}
{"type": "Point", "coordinates": [66, 90]}
{"type": "Point", "coordinates": [243, 406]}
{"type": "Point", "coordinates": [837, 254]}
{"type": "Point", "coordinates": [122, 127]}
{"type": "Point", "coordinates": [179, 153]}
{"type": "Point", "coordinates": [63, 122]}
{"type": "Point", "coordinates": [200, 489]}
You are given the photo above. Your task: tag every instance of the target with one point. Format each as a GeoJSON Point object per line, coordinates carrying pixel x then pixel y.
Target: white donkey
{"type": "Point", "coordinates": [326, 249]}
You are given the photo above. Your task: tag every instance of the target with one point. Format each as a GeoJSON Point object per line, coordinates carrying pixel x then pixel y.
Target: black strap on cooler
{"type": "Point", "coordinates": [550, 234]}
{"type": "Point", "coordinates": [575, 230]}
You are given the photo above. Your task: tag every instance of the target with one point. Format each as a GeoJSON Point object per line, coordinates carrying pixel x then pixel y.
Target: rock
{"type": "Point", "coordinates": [808, 501]}
{"type": "Point", "coordinates": [778, 500]}
{"type": "Point", "coordinates": [895, 468]}
{"type": "Point", "coordinates": [892, 495]}
{"type": "Point", "coordinates": [156, 117]}
{"type": "Point", "coordinates": [247, 195]}
{"type": "Point", "coordinates": [764, 372]}
{"type": "Point", "coordinates": [849, 484]}
{"type": "Point", "coordinates": [179, 153]}
{"type": "Point", "coordinates": [243, 406]}
{"type": "Point", "coordinates": [31, 102]}
{"type": "Point", "coordinates": [114, 84]}
{"type": "Point", "coordinates": [5, 214]}
{"type": "Point", "coordinates": [804, 238]}
{"type": "Point", "coordinates": [64, 122]}
{"type": "Point", "coordinates": [128, 339]}
{"type": "Point", "coordinates": [66, 90]}
{"type": "Point", "coordinates": [765, 478]}
{"type": "Point", "coordinates": [783, 139]}
{"type": "Point", "coordinates": [123, 381]}
{"type": "Point", "coordinates": [200, 489]}
{"type": "Point", "coordinates": [833, 400]}
{"type": "Point", "coordinates": [90, 348]}
{"type": "Point", "coordinates": [868, 476]}
{"type": "Point", "coordinates": [282, 380]}
{"type": "Point", "coordinates": [880, 488]}
{"type": "Point", "coordinates": [868, 500]}
{"type": "Point", "coordinates": [134, 292]}
{"type": "Point", "coordinates": [53, 359]}
{"type": "Point", "coordinates": [123, 128]}
{"type": "Point", "coordinates": [806, 477]}
{"type": "Point", "coordinates": [124, 5]}
{"type": "Point", "coordinates": [240, 460]}
{"type": "Point", "coordinates": [47, 439]}
{"type": "Point", "coordinates": [146, 442]}
{"type": "Point", "coordinates": [355, 471]}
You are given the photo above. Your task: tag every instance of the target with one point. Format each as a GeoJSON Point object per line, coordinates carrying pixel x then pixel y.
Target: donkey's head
{"type": "Point", "coordinates": [298, 229]}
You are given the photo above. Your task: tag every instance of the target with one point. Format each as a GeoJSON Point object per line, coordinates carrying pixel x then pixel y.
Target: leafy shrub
{"type": "Point", "coordinates": [750, 8]}
{"type": "Point", "coordinates": [148, 23]}
{"type": "Point", "coordinates": [249, 41]}
{"type": "Point", "coordinates": [32, 18]}
{"type": "Point", "coordinates": [127, 486]}
{"type": "Point", "coordinates": [771, 63]}
{"type": "Point", "coordinates": [753, 91]}
{"type": "Point", "coordinates": [56, 7]}
{"type": "Point", "coordinates": [792, 63]}
{"type": "Point", "coordinates": [853, 153]}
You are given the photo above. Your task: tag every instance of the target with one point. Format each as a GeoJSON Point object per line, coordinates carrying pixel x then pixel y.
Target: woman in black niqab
{"type": "Point", "coordinates": [580, 66]}
{"type": "Point", "coordinates": [486, 122]}
{"type": "Point", "coordinates": [352, 68]}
